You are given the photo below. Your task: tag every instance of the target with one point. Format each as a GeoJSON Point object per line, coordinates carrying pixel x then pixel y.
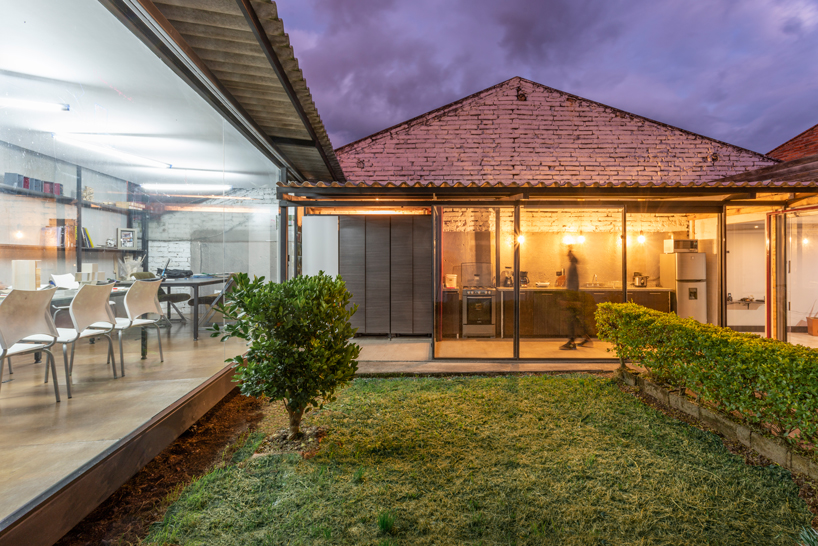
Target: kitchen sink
{"type": "Point", "coordinates": [595, 285]}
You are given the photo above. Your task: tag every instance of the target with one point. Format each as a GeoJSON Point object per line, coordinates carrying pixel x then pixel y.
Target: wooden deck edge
{"type": "Point", "coordinates": [772, 448]}
{"type": "Point", "coordinates": [44, 520]}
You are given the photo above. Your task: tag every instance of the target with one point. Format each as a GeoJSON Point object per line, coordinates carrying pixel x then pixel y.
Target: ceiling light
{"type": "Point", "coordinates": [6, 102]}
{"type": "Point", "coordinates": [125, 156]}
{"type": "Point", "coordinates": [641, 238]}
{"type": "Point", "coordinates": [581, 239]}
{"type": "Point", "coordinates": [520, 239]}
{"type": "Point", "coordinates": [186, 187]}
{"type": "Point", "coordinates": [568, 240]}
{"type": "Point", "coordinates": [806, 241]}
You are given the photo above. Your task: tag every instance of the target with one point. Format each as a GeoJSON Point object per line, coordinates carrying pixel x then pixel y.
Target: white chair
{"type": "Point", "coordinates": [141, 299]}
{"type": "Point", "coordinates": [89, 306]}
{"type": "Point", "coordinates": [26, 313]}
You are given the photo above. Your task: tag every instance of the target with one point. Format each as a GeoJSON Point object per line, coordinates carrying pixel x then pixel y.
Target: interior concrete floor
{"type": "Point", "coordinates": [545, 349]}
{"type": "Point", "coordinates": [44, 443]}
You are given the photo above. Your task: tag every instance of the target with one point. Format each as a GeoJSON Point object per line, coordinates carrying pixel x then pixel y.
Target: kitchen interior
{"type": "Point", "coordinates": [672, 264]}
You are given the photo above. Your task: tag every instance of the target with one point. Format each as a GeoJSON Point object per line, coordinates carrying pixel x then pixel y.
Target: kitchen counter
{"type": "Point", "coordinates": [590, 289]}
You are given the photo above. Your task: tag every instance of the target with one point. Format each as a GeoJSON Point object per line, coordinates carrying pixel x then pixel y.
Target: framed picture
{"type": "Point", "coordinates": [126, 238]}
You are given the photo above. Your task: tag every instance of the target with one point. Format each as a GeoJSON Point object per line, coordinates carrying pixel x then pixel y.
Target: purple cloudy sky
{"type": "Point", "coordinates": [742, 71]}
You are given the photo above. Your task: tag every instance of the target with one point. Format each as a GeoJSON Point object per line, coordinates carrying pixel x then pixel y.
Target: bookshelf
{"type": "Point", "coordinates": [34, 216]}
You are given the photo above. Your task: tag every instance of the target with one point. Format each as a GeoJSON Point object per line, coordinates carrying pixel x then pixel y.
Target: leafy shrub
{"type": "Point", "coordinates": [766, 381]}
{"type": "Point", "coordinates": [298, 336]}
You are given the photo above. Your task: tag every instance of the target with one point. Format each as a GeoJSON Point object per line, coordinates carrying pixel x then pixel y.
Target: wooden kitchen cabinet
{"type": "Point", "coordinates": [450, 314]}
{"type": "Point", "coordinates": [658, 300]}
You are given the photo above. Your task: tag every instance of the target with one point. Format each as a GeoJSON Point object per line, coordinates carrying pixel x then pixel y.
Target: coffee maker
{"type": "Point", "coordinates": [524, 279]}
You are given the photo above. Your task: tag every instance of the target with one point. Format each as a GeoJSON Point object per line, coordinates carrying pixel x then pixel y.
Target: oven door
{"type": "Point", "coordinates": [478, 310]}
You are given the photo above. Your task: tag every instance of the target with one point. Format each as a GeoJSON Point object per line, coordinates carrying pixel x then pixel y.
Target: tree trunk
{"type": "Point", "coordinates": [295, 421]}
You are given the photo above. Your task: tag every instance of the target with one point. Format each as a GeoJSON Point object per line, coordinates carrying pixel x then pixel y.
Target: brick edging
{"type": "Point", "coordinates": [772, 448]}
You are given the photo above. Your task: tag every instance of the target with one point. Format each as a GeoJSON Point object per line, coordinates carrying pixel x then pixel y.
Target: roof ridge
{"type": "Point", "coordinates": [455, 105]}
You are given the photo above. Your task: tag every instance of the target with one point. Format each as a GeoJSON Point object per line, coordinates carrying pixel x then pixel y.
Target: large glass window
{"type": "Point", "coordinates": [570, 261]}
{"type": "Point", "coordinates": [746, 272]}
{"type": "Point", "coordinates": [802, 283]}
{"type": "Point", "coordinates": [673, 263]}
{"type": "Point", "coordinates": [474, 308]}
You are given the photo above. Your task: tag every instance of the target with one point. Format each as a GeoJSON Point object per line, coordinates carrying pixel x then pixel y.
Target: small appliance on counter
{"type": "Point", "coordinates": [524, 282]}
{"type": "Point", "coordinates": [639, 280]}
{"type": "Point", "coordinates": [508, 278]}
{"type": "Point", "coordinates": [673, 246]}
{"type": "Point", "coordinates": [450, 281]}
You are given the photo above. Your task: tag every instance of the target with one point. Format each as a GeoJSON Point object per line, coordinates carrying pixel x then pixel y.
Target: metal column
{"type": "Point", "coordinates": [516, 281]}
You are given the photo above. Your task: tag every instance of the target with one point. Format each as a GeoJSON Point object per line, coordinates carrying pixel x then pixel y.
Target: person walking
{"type": "Point", "coordinates": [575, 302]}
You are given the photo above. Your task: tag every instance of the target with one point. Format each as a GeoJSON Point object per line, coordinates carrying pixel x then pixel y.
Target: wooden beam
{"type": "Point", "coordinates": [293, 141]}
{"type": "Point", "coordinates": [263, 40]}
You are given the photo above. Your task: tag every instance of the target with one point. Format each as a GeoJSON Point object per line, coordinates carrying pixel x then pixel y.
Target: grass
{"type": "Point", "coordinates": [568, 460]}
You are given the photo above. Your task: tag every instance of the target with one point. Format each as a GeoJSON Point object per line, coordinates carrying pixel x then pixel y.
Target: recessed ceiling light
{"type": "Point", "coordinates": [112, 152]}
{"type": "Point", "coordinates": [6, 102]}
{"type": "Point", "coordinates": [186, 187]}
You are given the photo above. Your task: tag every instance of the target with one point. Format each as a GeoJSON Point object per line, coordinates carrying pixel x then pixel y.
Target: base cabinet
{"type": "Point", "coordinates": [449, 314]}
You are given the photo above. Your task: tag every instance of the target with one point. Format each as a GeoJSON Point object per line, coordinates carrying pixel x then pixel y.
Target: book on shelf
{"type": "Point", "coordinates": [15, 180]}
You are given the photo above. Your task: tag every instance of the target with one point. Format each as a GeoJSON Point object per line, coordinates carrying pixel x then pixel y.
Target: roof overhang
{"type": "Point", "coordinates": [775, 185]}
{"type": "Point", "coordinates": [236, 55]}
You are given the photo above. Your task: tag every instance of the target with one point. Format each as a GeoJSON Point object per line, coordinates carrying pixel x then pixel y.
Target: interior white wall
{"type": "Point", "coordinates": [319, 245]}
{"type": "Point", "coordinates": [746, 274]}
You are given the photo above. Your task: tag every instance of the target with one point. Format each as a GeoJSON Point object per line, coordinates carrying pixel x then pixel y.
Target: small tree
{"type": "Point", "coordinates": [298, 333]}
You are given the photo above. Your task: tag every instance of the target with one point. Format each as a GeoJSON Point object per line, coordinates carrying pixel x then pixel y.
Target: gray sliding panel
{"type": "Point", "coordinates": [377, 274]}
{"type": "Point", "coordinates": [401, 275]}
{"type": "Point", "coordinates": [422, 275]}
{"type": "Point", "coordinates": [352, 264]}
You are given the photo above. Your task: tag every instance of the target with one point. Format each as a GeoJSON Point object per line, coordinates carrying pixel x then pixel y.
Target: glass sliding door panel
{"type": "Point", "coordinates": [551, 311]}
{"type": "Point", "coordinates": [802, 282]}
{"type": "Point", "coordinates": [474, 306]}
{"type": "Point", "coordinates": [673, 263]}
{"type": "Point", "coordinates": [746, 273]}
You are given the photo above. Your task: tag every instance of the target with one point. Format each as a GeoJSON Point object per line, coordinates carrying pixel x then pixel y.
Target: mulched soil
{"type": "Point", "coordinates": [279, 442]}
{"type": "Point", "coordinates": [126, 516]}
{"type": "Point", "coordinates": [807, 487]}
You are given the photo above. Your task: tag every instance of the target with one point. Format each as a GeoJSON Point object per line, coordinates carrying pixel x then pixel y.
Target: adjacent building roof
{"type": "Point", "coordinates": [241, 47]}
{"type": "Point", "coordinates": [521, 133]}
{"type": "Point", "coordinates": [803, 145]}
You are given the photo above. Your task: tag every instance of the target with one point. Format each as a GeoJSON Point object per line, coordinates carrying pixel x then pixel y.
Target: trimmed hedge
{"type": "Point", "coordinates": [766, 381]}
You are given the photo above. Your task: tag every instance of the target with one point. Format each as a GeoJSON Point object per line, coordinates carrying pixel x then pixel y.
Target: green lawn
{"type": "Point", "coordinates": [509, 460]}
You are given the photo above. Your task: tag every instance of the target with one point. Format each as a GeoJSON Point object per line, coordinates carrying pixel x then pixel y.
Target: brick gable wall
{"type": "Point", "coordinates": [805, 144]}
{"type": "Point", "coordinates": [550, 138]}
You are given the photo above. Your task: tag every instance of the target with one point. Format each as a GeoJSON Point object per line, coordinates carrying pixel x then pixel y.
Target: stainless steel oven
{"type": "Point", "coordinates": [479, 312]}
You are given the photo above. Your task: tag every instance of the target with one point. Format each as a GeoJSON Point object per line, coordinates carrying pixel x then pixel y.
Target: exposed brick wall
{"type": "Point", "coordinates": [551, 221]}
{"type": "Point", "coordinates": [805, 144]}
{"type": "Point", "coordinates": [550, 137]}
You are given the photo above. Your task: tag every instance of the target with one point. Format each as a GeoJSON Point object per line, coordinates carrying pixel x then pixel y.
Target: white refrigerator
{"type": "Point", "coordinates": [687, 271]}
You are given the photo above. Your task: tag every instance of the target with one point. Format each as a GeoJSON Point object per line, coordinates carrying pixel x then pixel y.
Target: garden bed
{"type": "Point", "coordinates": [509, 460]}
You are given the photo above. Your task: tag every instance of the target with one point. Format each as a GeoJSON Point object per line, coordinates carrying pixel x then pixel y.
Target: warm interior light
{"type": "Point", "coordinates": [581, 239]}
{"type": "Point", "coordinates": [186, 187]}
{"type": "Point", "coordinates": [568, 240]}
{"type": "Point", "coordinates": [18, 235]}
{"type": "Point", "coordinates": [6, 102]}
{"type": "Point", "coordinates": [806, 241]}
{"type": "Point", "coordinates": [125, 156]}
{"type": "Point", "coordinates": [520, 239]}
{"type": "Point", "coordinates": [641, 239]}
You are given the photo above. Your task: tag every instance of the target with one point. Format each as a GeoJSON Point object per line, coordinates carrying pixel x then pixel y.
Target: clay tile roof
{"type": "Point", "coordinates": [521, 133]}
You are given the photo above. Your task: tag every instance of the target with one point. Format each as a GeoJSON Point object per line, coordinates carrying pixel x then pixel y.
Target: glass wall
{"type": "Point", "coordinates": [673, 263]}
{"type": "Point", "coordinates": [570, 260]}
{"type": "Point", "coordinates": [474, 304]}
{"type": "Point", "coordinates": [802, 282]}
{"type": "Point", "coordinates": [746, 272]}
{"type": "Point", "coordinates": [110, 164]}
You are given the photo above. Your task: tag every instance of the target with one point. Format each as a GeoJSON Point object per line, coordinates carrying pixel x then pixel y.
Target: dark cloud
{"type": "Point", "coordinates": [742, 71]}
